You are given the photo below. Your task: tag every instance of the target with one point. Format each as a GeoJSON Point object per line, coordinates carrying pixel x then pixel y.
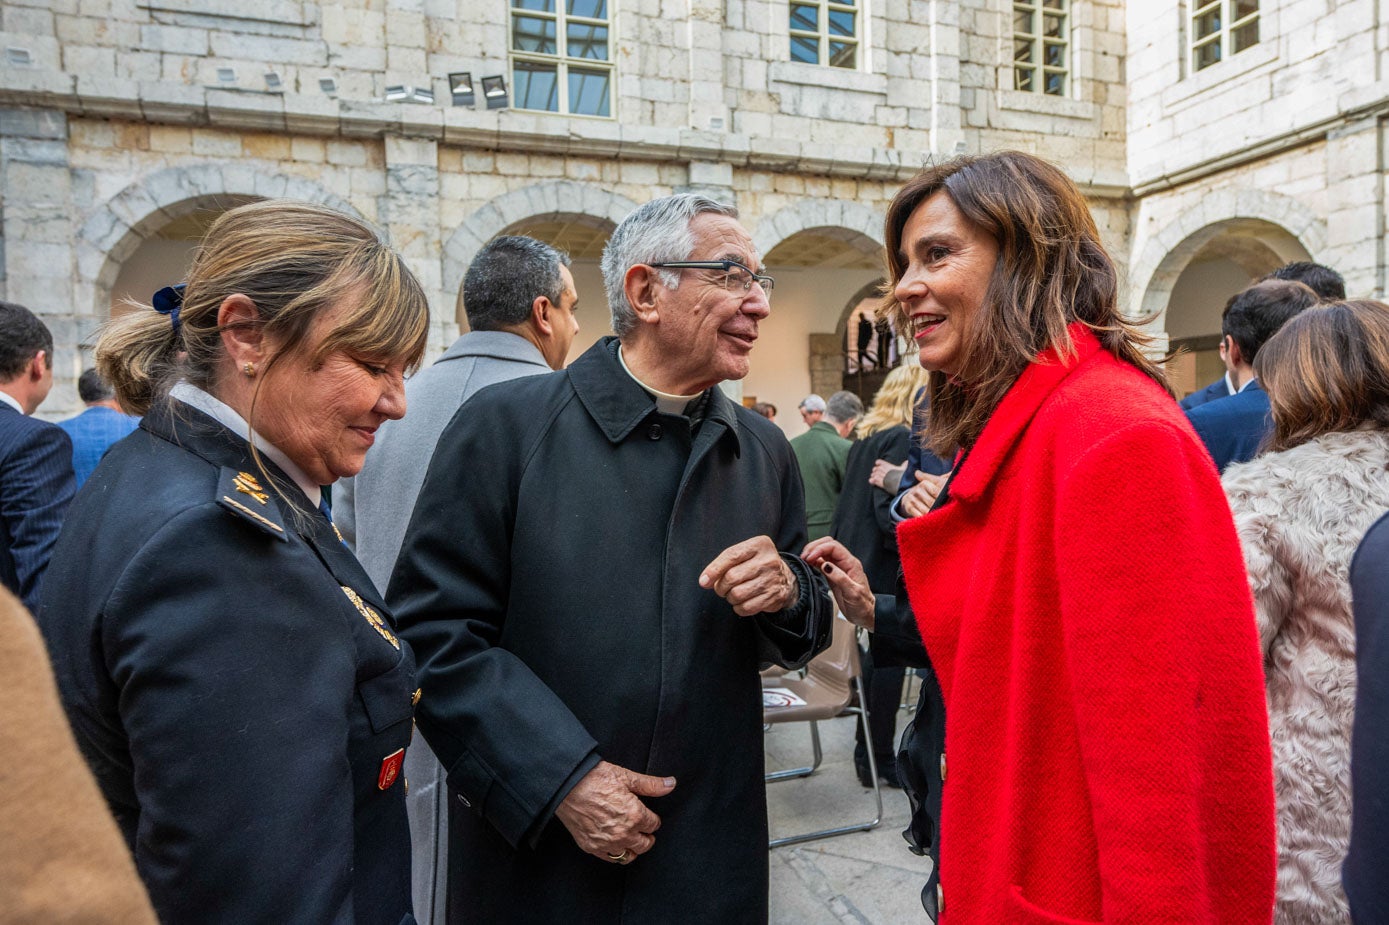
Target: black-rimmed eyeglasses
{"type": "Point", "coordinates": [736, 277]}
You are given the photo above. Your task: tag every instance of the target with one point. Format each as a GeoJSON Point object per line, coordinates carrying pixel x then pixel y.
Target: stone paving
{"type": "Point", "coordinates": [862, 877]}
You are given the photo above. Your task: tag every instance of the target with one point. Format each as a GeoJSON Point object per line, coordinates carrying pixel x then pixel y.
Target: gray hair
{"type": "Point", "coordinates": [843, 407]}
{"type": "Point", "coordinates": [505, 279]}
{"type": "Point", "coordinates": [657, 232]}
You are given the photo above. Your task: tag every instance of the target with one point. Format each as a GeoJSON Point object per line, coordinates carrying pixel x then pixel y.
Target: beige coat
{"type": "Point", "coordinates": [1300, 515]}
{"type": "Point", "coordinates": [61, 856]}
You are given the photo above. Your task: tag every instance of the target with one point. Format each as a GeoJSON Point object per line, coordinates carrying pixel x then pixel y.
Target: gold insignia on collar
{"type": "Point", "coordinates": [371, 616]}
{"type": "Point", "coordinates": [246, 482]}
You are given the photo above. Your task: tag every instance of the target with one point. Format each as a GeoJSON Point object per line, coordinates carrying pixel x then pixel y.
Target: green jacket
{"type": "Point", "coordinates": [822, 455]}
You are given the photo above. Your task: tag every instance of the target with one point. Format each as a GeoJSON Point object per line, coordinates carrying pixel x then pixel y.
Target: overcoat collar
{"type": "Point", "coordinates": [1021, 403]}
{"type": "Point", "coordinates": [618, 404]}
{"type": "Point", "coordinates": [501, 345]}
{"type": "Point", "coordinates": [192, 430]}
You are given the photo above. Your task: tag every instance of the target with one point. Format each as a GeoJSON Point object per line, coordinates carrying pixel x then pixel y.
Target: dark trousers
{"type": "Point", "coordinates": [884, 689]}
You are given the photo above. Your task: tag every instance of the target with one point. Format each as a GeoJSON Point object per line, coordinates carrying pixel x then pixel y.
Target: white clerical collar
{"type": "Point", "coordinates": [668, 403]}
{"type": "Point", "coordinates": [213, 407]}
{"type": "Point", "coordinates": [13, 402]}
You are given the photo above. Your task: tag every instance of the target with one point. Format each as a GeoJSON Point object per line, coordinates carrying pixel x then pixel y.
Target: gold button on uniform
{"type": "Point", "coordinates": [942, 767]}
{"type": "Point", "coordinates": [415, 697]}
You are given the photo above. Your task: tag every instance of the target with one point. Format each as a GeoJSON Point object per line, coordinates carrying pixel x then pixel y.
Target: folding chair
{"type": "Point", "coordinates": [832, 686]}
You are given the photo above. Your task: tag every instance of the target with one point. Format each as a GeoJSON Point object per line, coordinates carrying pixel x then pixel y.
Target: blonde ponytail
{"type": "Point", "coordinates": [138, 353]}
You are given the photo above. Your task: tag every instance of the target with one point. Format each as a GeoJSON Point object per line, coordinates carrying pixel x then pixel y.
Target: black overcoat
{"type": "Point", "coordinates": [863, 517]}
{"type": "Point", "coordinates": [236, 703]}
{"type": "Point", "coordinates": [549, 585]}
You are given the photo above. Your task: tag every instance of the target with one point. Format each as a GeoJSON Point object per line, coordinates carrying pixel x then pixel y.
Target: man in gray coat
{"type": "Point", "coordinates": [519, 297]}
{"type": "Point", "coordinates": [598, 564]}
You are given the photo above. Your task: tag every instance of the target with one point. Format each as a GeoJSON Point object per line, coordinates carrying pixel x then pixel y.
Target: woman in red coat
{"type": "Point", "coordinates": [1078, 585]}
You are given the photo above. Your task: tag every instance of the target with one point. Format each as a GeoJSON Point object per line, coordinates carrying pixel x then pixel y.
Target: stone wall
{"type": "Point", "coordinates": [1282, 142]}
{"type": "Point", "coordinates": [129, 114]}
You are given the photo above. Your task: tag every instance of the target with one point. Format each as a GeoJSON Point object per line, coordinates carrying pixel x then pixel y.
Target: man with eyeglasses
{"type": "Point", "coordinates": [599, 562]}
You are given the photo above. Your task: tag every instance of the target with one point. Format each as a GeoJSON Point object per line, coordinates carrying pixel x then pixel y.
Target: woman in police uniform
{"type": "Point", "coordinates": [228, 668]}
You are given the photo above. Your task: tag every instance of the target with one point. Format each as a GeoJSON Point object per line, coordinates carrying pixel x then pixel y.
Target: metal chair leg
{"type": "Point", "coordinates": [862, 711]}
{"type": "Point", "coordinates": [793, 773]}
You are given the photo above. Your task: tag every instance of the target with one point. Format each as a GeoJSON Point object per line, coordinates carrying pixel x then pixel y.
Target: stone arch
{"type": "Point", "coordinates": [1272, 220]}
{"type": "Point", "coordinates": [117, 228]}
{"type": "Point", "coordinates": [855, 223]}
{"type": "Point", "coordinates": [555, 199]}
{"type": "Point", "coordinates": [866, 291]}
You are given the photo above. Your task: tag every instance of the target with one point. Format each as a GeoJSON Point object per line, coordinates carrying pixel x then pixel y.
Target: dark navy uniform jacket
{"type": "Point", "coordinates": [1366, 870]}
{"type": "Point", "coordinates": [232, 678]}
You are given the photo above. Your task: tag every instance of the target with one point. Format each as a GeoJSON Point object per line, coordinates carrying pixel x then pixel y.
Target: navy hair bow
{"type": "Point", "coordinates": [168, 301]}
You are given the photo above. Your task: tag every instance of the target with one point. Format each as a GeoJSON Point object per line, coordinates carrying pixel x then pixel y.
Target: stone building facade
{"type": "Point", "coordinates": [1274, 153]}
{"type": "Point", "coordinates": [126, 124]}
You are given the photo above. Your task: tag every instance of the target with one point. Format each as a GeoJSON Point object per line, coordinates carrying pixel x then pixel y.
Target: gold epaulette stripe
{"type": "Point", "coordinates": [250, 513]}
{"type": "Point", "coordinates": [372, 617]}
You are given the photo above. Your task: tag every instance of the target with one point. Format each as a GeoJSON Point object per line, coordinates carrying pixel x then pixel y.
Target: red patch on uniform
{"type": "Point", "coordinates": [390, 769]}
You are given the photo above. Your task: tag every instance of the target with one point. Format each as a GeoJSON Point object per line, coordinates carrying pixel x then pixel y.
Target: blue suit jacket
{"type": "Point", "coordinates": [1232, 428]}
{"type": "Point", "coordinates": [36, 485]}
{"type": "Point", "coordinates": [92, 432]}
{"type": "Point", "coordinates": [1366, 871]}
{"type": "Point", "coordinates": [1217, 389]}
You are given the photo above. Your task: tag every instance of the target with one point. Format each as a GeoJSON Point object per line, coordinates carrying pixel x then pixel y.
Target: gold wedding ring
{"type": "Point", "coordinates": [619, 858]}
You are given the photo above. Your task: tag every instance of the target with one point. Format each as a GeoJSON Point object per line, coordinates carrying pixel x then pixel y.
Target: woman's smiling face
{"type": "Point", "coordinates": [324, 416]}
{"type": "Point", "coordinates": [947, 264]}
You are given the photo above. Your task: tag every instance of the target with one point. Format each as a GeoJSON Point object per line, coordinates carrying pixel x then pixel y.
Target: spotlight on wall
{"type": "Point", "coordinates": [273, 83]}
{"type": "Point", "coordinates": [461, 88]}
{"type": "Point", "coordinates": [328, 85]}
{"type": "Point", "coordinates": [226, 75]}
{"type": "Point", "coordinates": [404, 93]}
{"type": "Point", "coordinates": [18, 57]}
{"type": "Point", "coordinates": [494, 92]}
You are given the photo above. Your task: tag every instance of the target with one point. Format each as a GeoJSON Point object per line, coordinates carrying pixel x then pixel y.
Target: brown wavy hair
{"type": "Point", "coordinates": [1052, 270]}
{"type": "Point", "coordinates": [1325, 371]}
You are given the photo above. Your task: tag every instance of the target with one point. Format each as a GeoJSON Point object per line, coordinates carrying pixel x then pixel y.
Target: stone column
{"type": "Point", "coordinates": [708, 112]}
{"type": "Point", "coordinates": [1355, 205]}
{"type": "Point", "coordinates": [946, 99]}
{"type": "Point", "coordinates": [36, 233]}
{"type": "Point", "coordinates": [409, 211]}
{"type": "Point", "coordinates": [826, 364]}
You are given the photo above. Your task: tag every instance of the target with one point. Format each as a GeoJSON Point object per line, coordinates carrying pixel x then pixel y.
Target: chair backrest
{"type": "Point", "coordinates": [836, 667]}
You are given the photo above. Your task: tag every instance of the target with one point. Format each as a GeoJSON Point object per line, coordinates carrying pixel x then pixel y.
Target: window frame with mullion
{"type": "Point", "coordinates": [1038, 43]}
{"type": "Point", "coordinates": [562, 66]}
{"type": "Point", "coordinates": [822, 33]}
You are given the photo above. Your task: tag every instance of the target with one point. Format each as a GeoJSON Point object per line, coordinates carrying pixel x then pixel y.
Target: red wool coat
{"type": "Point", "coordinates": [1084, 602]}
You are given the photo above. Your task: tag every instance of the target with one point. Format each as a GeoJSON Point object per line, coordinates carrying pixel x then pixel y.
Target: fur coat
{"type": "Point", "coordinates": [1300, 514]}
